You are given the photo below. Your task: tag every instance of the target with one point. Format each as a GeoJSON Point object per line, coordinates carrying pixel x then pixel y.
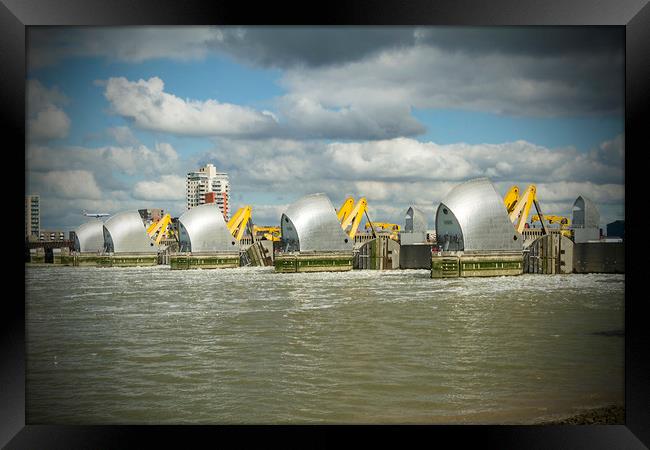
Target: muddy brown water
{"type": "Point", "coordinates": [152, 345]}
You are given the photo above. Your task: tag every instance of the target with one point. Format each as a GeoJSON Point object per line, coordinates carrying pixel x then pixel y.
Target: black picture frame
{"type": "Point", "coordinates": [634, 15]}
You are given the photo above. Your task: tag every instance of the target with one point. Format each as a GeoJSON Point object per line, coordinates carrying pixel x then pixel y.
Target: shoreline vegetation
{"type": "Point", "coordinates": [607, 415]}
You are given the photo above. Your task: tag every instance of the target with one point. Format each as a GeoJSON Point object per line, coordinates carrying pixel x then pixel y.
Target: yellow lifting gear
{"type": "Point", "coordinates": [392, 227]}
{"type": "Point", "coordinates": [237, 223]}
{"type": "Point", "coordinates": [519, 210]}
{"type": "Point", "coordinates": [384, 226]}
{"type": "Point", "coordinates": [270, 233]}
{"type": "Point", "coordinates": [511, 198]}
{"type": "Point", "coordinates": [345, 209]}
{"type": "Point", "coordinates": [160, 227]}
{"type": "Point", "coordinates": [563, 221]}
{"type": "Point", "coordinates": [353, 219]}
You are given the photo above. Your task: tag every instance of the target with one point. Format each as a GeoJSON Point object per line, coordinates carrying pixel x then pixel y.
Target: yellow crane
{"type": "Point", "coordinates": [563, 221]}
{"type": "Point", "coordinates": [160, 227]}
{"type": "Point", "coordinates": [511, 198]}
{"type": "Point", "coordinates": [345, 209]}
{"type": "Point", "coordinates": [519, 210]}
{"type": "Point", "coordinates": [392, 227]}
{"type": "Point", "coordinates": [354, 217]}
{"type": "Point", "coordinates": [270, 233]}
{"type": "Point", "coordinates": [238, 222]}
{"type": "Point", "coordinates": [384, 226]}
{"type": "Point", "coordinates": [552, 219]}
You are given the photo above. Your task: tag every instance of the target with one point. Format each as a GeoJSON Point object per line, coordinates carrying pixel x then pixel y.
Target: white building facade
{"type": "Point", "coordinates": [32, 216]}
{"type": "Point", "coordinates": [208, 181]}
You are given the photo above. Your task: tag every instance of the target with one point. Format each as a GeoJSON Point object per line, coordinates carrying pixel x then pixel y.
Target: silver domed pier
{"type": "Point", "coordinates": [415, 244]}
{"type": "Point", "coordinates": [126, 242]}
{"type": "Point", "coordinates": [204, 240]}
{"type": "Point", "coordinates": [88, 244]}
{"type": "Point", "coordinates": [415, 227]}
{"type": "Point", "coordinates": [121, 241]}
{"type": "Point", "coordinates": [312, 238]}
{"type": "Point", "coordinates": [586, 220]}
{"type": "Point", "coordinates": [89, 237]}
{"type": "Point", "coordinates": [475, 236]}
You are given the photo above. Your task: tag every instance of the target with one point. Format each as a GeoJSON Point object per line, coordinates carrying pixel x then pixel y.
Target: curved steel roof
{"type": "Point", "coordinates": [203, 229]}
{"type": "Point", "coordinates": [310, 224]}
{"type": "Point", "coordinates": [125, 233]}
{"type": "Point", "coordinates": [415, 220]}
{"type": "Point", "coordinates": [475, 212]}
{"type": "Point", "coordinates": [585, 213]}
{"type": "Point", "coordinates": [89, 237]}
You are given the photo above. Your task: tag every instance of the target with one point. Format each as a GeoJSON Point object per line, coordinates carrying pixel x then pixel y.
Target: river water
{"type": "Point", "coordinates": [152, 345]}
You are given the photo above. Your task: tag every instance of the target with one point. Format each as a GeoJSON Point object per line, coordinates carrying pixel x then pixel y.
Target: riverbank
{"type": "Point", "coordinates": [608, 415]}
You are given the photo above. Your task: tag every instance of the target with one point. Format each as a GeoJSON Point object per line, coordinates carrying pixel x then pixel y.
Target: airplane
{"type": "Point", "coordinates": [96, 215]}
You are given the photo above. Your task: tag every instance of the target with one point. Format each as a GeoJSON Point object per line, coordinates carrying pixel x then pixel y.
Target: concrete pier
{"type": "Point", "coordinates": [476, 264]}
{"type": "Point", "coordinates": [415, 256]}
{"type": "Point", "coordinates": [260, 253]}
{"type": "Point", "coordinates": [37, 256]}
{"type": "Point", "coordinates": [313, 262]}
{"type": "Point", "coordinates": [549, 254]}
{"type": "Point", "coordinates": [599, 257]}
{"type": "Point", "coordinates": [381, 253]}
{"type": "Point", "coordinates": [86, 259]}
{"type": "Point", "coordinates": [445, 267]}
{"type": "Point", "coordinates": [67, 260]}
{"type": "Point", "coordinates": [126, 260]}
{"type": "Point", "coordinates": [491, 265]}
{"type": "Point", "coordinates": [187, 261]}
{"type": "Point", "coordinates": [58, 253]}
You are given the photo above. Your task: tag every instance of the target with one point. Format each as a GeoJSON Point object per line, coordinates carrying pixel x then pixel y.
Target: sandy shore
{"type": "Point", "coordinates": [609, 415]}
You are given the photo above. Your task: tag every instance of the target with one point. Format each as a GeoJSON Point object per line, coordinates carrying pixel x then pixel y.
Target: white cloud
{"type": "Point", "coordinates": [130, 160]}
{"type": "Point", "coordinates": [610, 152]}
{"type": "Point", "coordinates": [49, 123]}
{"type": "Point", "coordinates": [394, 174]}
{"type": "Point", "coordinates": [45, 119]}
{"type": "Point", "coordinates": [357, 83]}
{"type": "Point", "coordinates": [309, 117]}
{"type": "Point", "coordinates": [168, 187]}
{"type": "Point", "coordinates": [424, 76]}
{"type": "Point", "coordinates": [400, 158]}
{"type": "Point", "coordinates": [39, 97]}
{"type": "Point", "coordinates": [122, 135]}
{"type": "Point", "coordinates": [565, 190]}
{"type": "Point", "coordinates": [373, 98]}
{"type": "Point", "coordinates": [264, 214]}
{"type": "Point", "coordinates": [391, 174]}
{"type": "Point", "coordinates": [73, 184]}
{"type": "Point", "coordinates": [106, 179]}
{"type": "Point", "coordinates": [408, 160]}
{"type": "Point", "coordinates": [146, 103]}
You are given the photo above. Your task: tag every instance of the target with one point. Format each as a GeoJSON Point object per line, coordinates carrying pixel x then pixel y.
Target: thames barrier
{"type": "Point", "coordinates": [476, 233]}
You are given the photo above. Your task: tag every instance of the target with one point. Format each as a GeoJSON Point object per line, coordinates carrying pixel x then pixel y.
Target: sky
{"type": "Point", "coordinates": [117, 116]}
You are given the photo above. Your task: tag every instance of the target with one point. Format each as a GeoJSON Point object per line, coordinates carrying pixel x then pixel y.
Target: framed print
{"type": "Point", "coordinates": [381, 218]}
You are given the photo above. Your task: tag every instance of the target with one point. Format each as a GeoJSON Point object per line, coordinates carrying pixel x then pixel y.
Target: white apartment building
{"type": "Point", "coordinates": [206, 181]}
{"type": "Point", "coordinates": [32, 216]}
